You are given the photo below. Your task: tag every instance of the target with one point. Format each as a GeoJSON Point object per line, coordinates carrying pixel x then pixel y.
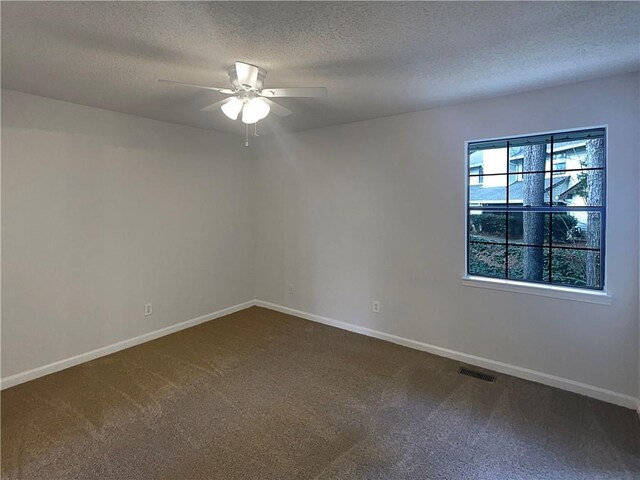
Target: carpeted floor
{"type": "Point", "coordinates": [259, 394]}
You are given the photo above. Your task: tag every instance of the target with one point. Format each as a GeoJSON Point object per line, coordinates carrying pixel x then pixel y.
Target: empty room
{"type": "Point", "coordinates": [320, 240]}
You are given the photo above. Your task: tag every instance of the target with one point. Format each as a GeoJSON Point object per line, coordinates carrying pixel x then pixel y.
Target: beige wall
{"type": "Point", "coordinates": [103, 212]}
{"type": "Point", "coordinates": [375, 210]}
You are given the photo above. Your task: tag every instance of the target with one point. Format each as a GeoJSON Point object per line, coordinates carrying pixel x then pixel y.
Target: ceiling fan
{"type": "Point", "coordinates": [248, 96]}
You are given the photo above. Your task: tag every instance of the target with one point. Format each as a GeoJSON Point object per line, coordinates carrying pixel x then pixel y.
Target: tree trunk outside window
{"type": "Point", "coordinates": [595, 158]}
{"type": "Point", "coordinates": [533, 223]}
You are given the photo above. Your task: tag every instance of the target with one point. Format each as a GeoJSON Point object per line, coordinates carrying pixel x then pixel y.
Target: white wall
{"type": "Point", "coordinates": [375, 210]}
{"type": "Point", "coordinates": [103, 212]}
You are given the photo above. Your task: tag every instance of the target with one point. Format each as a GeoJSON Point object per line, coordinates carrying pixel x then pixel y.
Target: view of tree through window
{"type": "Point", "coordinates": [536, 208]}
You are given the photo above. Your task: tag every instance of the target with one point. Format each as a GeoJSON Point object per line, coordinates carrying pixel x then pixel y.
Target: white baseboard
{"type": "Point", "coordinates": [521, 372]}
{"type": "Point", "coordinates": [114, 347]}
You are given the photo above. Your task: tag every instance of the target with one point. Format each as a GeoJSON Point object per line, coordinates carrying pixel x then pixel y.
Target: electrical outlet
{"type": "Point", "coordinates": [376, 306]}
{"type": "Point", "coordinates": [148, 309]}
{"type": "Point", "coordinates": [291, 289]}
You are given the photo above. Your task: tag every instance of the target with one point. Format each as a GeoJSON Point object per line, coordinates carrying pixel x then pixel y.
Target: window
{"type": "Point", "coordinates": [536, 208]}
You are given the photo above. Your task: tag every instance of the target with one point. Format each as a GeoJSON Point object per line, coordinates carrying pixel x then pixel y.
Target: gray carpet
{"type": "Point", "coordinates": [263, 395]}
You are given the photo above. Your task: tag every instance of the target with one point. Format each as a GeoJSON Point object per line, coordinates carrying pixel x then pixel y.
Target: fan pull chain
{"type": "Point", "coordinates": [246, 135]}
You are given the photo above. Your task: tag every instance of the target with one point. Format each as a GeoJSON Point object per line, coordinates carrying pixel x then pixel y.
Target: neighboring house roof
{"type": "Point", "coordinates": [482, 194]}
{"type": "Point", "coordinates": [573, 189]}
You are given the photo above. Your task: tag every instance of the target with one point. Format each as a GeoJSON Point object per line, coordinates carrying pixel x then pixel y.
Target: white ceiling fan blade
{"type": "Point", "coordinates": [310, 92]}
{"type": "Point", "coordinates": [247, 74]}
{"type": "Point", "coordinates": [205, 87]}
{"type": "Point", "coordinates": [279, 110]}
{"type": "Point", "coordinates": [214, 106]}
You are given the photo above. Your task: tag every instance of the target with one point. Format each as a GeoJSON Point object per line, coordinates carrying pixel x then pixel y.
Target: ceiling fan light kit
{"type": "Point", "coordinates": [254, 110]}
{"type": "Point", "coordinates": [232, 107]}
{"type": "Point", "coordinates": [249, 97]}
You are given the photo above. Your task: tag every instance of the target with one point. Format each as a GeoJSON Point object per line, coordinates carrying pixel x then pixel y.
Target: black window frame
{"type": "Point", "coordinates": [507, 209]}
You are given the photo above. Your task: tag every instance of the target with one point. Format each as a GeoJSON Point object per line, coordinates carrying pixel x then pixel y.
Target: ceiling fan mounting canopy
{"type": "Point", "coordinates": [249, 96]}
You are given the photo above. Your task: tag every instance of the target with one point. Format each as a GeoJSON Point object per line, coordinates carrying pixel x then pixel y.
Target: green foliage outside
{"type": "Point", "coordinates": [494, 224]}
{"type": "Point", "coordinates": [568, 266]}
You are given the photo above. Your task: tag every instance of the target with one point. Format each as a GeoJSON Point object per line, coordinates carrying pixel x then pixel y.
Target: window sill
{"type": "Point", "coordinates": [565, 293]}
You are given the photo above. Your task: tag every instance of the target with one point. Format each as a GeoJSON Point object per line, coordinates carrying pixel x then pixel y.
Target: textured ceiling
{"type": "Point", "coordinates": [376, 58]}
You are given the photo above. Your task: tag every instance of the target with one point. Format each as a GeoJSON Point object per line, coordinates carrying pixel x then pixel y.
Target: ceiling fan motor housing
{"type": "Point", "coordinates": [233, 78]}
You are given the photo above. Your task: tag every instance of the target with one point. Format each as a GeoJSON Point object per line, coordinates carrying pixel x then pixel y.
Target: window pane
{"type": "Point", "coordinates": [530, 190]}
{"type": "Point", "coordinates": [569, 155]}
{"type": "Point", "coordinates": [529, 155]}
{"type": "Point", "coordinates": [579, 188]}
{"type": "Point", "coordinates": [565, 228]}
{"type": "Point", "coordinates": [564, 184]}
{"type": "Point", "coordinates": [576, 268]}
{"type": "Point", "coordinates": [492, 191]}
{"type": "Point", "coordinates": [529, 263]}
{"type": "Point", "coordinates": [487, 227]}
{"type": "Point", "coordinates": [531, 228]}
{"type": "Point", "coordinates": [581, 229]}
{"type": "Point", "coordinates": [487, 260]}
{"type": "Point", "coordinates": [492, 159]}
{"type": "Point", "coordinates": [576, 152]}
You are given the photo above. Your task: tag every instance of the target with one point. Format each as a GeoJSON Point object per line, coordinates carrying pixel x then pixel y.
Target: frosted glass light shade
{"type": "Point", "coordinates": [232, 108]}
{"type": "Point", "coordinates": [254, 110]}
